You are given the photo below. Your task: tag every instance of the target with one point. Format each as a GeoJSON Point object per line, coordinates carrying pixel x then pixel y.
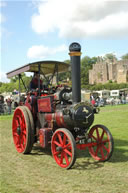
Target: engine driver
{"type": "Point", "coordinates": [34, 82]}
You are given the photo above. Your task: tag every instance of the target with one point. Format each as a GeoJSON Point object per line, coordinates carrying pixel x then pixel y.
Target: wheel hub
{"type": "Point", "coordinates": [18, 130]}
{"type": "Point", "coordinates": [59, 149]}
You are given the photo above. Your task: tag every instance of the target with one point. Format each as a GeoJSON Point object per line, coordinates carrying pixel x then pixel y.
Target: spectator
{"type": "Point", "coordinates": [123, 99]}
{"type": "Point", "coordinates": [93, 102]}
{"type": "Point", "coordinates": [9, 102]}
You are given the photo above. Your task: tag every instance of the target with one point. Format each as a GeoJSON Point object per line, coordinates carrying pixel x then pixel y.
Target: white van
{"type": "Point", "coordinates": [115, 93]}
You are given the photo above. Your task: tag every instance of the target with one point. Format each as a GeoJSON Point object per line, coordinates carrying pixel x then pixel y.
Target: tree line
{"type": "Point", "coordinates": [86, 64]}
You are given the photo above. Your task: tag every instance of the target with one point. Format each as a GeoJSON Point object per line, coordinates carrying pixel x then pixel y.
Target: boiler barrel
{"type": "Point", "coordinates": [75, 54]}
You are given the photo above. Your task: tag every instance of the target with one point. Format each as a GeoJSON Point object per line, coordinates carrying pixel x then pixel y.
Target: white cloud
{"type": "Point", "coordinates": [2, 18]}
{"type": "Point", "coordinates": [2, 3]}
{"type": "Point", "coordinates": [82, 18]}
{"type": "Point", "coordinates": [3, 77]}
{"type": "Point", "coordinates": [41, 51]}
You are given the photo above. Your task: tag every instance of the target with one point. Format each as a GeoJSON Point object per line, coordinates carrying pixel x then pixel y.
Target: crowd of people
{"type": "Point", "coordinates": [99, 101]}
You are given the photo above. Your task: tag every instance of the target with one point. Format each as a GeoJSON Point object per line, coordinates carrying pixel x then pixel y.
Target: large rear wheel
{"type": "Point", "coordinates": [31, 125]}
{"type": "Point", "coordinates": [21, 130]}
{"type": "Point", "coordinates": [102, 143]}
{"type": "Point", "coordinates": [63, 148]}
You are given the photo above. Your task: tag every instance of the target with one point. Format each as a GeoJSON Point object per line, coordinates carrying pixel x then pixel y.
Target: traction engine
{"type": "Point", "coordinates": [62, 122]}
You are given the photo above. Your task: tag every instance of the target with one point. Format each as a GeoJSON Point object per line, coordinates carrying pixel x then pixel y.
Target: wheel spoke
{"type": "Point", "coordinates": [68, 152]}
{"type": "Point", "coordinates": [66, 158]}
{"type": "Point", "coordinates": [97, 149]}
{"type": "Point", "coordinates": [23, 125]}
{"type": "Point", "coordinates": [97, 132]}
{"type": "Point", "coordinates": [62, 156]}
{"type": "Point", "coordinates": [22, 147]}
{"type": "Point", "coordinates": [67, 146]}
{"type": "Point", "coordinates": [92, 136]}
{"type": "Point", "coordinates": [17, 140]}
{"type": "Point", "coordinates": [107, 140]}
{"type": "Point", "coordinates": [24, 132]}
{"type": "Point", "coordinates": [102, 153]}
{"type": "Point", "coordinates": [15, 134]}
{"type": "Point", "coordinates": [56, 153]}
{"type": "Point", "coordinates": [24, 139]}
{"type": "Point", "coordinates": [102, 135]}
{"type": "Point", "coordinates": [64, 140]}
{"type": "Point", "coordinates": [56, 143]}
{"type": "Point", "coordinates": [60, 138]}
{"type": "Point", "coordinates": [105, 148]}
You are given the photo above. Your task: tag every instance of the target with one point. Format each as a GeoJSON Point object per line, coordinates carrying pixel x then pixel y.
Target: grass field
{"type": "Point", "coordinates": [38, 172]}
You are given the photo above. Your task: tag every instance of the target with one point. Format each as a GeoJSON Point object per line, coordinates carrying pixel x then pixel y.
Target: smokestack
{"type": "Point", "coordinates": [75, 53]}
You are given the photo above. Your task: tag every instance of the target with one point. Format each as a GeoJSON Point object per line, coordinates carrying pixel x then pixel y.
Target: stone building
{"type": "Point", "coordinates": [105, 70]}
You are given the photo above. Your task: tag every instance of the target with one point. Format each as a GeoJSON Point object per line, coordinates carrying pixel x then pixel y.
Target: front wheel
{"type": "Point", "coordinates": [102, 143]}
{"type": "Point", "coordinates": [63, 148]}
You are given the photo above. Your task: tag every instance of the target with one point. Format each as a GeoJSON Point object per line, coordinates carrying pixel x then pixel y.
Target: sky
{"type": "Point", "coordinates": [32, 30]}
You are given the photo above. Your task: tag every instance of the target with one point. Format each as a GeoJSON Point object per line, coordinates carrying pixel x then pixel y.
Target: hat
{"type": "Point", "coordinates": [36, 73]}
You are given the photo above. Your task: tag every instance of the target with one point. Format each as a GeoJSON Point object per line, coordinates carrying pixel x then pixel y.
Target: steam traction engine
{"type": "Point", "coordinates": [53, 118]}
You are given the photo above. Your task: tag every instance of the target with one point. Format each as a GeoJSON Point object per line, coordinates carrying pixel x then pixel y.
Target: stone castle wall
{"type": "Point", "coordinates": [103, 71]}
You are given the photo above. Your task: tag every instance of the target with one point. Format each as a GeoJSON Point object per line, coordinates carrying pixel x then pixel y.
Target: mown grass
{"type": "Point", "coordinates": [38, 172]}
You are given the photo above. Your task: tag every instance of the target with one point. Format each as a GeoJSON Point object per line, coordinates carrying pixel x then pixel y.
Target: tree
{"type": "Point", "coordinates": [110, 56]}
{"type": "Point", "coordinates": [86, 65]}
{"type": "Point", "coordinates": [125, 56]}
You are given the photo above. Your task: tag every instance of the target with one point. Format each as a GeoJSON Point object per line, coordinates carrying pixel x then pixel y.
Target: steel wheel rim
{"type": "Point", "coordinates": [62, 149]}
{"type": "Point", "coordinates": [19, 130]}
{"type": "Point", "coordinates": [102, 144]}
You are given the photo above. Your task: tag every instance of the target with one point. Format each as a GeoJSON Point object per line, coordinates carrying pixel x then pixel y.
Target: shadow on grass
{"type": "Point", "coordinates": [87, 165]}
{"type": "Point", "coordinates": [37, 150]}
{"type": "Point", "coordinates": [120, 154]}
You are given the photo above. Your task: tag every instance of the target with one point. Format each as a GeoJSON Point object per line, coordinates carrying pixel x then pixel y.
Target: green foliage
{"type": "Point", "coordinates": [110, 56]}
{"type": "Point", "coordinates": [107, 86]}
{"type": "Point", "coordinates": [65, 75]}
{"type": "Point", "coordinates": [86, 65]}
{"type": "Point", "coordinates": [125, 56]}
{"type": "Point", "coordinates": [14, 84]}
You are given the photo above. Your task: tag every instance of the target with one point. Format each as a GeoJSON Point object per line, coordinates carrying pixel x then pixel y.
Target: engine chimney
{"type": "Point", "coordinates": [75, 53]}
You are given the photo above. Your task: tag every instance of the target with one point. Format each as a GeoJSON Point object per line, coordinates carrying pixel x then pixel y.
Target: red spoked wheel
{"type": "Point", "coordinates": [63, 148]}
{"type": "Point", "coordinates": [102, 143]}
{"type": "Point", "coordinates": [21, 130]}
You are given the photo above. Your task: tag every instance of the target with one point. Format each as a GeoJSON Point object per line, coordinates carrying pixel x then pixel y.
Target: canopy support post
{"type": "Point", "coordinates": [19, 76]}
{"type": "Point", "coordinates": [39, 79]}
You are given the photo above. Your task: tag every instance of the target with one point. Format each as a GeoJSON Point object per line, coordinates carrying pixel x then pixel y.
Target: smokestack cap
{"type": "Point", "coordinates": [75, 47]}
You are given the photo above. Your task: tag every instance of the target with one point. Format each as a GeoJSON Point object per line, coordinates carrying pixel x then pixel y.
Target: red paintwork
{"type": "Point", "coordinates": [102, 146]}
{"type": "Point", "coordinates": [59, 119]}
{"type": "Point", "coordinates": [45, 136]}
{"type": "Point", "coordinates": [62, 157]}
{"type": "Point", "coordinates": [19, 121]}
{"type": "Point", "coordinates": [56, 117]}
{"type": "Point", "coordinates": [45, 104]}
{"type": "Point", "coordinates": [83, 146]}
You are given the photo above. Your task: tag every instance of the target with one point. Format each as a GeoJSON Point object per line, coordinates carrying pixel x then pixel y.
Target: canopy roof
{"type": "Point", "coordinates": [46, 68]}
